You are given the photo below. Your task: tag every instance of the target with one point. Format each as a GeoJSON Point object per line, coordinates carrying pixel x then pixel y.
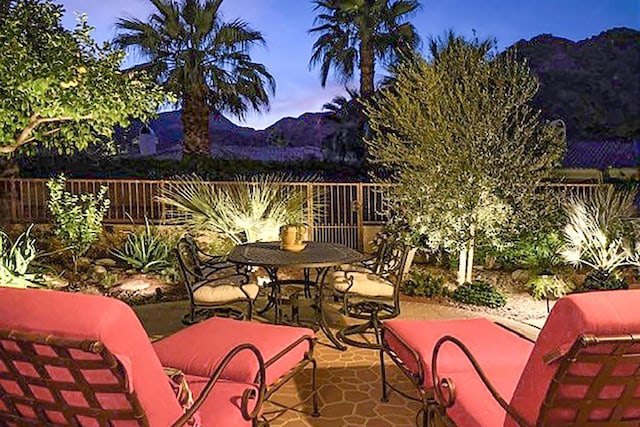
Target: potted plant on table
{"type": "Point", "coordinates": [293, 236]}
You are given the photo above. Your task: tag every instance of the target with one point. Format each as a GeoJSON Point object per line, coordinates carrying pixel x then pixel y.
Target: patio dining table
{"type": "Point", "coordinates": [318, 256]}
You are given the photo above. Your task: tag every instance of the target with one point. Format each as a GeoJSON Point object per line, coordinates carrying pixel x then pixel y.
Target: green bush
{"type": "Point", "coordinates": [425, 284]}
{"type": "Point", "coordinates": [539, 253]}
{"type": "Point", "coordinates": [479, 293]}
{"type": "Point", "coordinates": [548, 287]}
{"type": "Point", "coordinates": [77, 218]}
{"type": "Point", "coordinates": [15, 259]}
{"type": "Point", "coordinates": [146, 250]}
{"type": "Point", "coordinates": [601, 280]}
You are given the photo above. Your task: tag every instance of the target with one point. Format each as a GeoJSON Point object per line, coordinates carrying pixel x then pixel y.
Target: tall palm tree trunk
{"type": "Point", "coordinates": [195, 125]}
{"type": "Point", "coordinates": [367, 65]}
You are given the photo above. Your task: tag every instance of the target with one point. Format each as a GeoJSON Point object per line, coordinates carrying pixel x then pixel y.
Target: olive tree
{"type": "Point", "coordinates": [459, 136]}
{"type": "Point", "coordinates": [59, 89]}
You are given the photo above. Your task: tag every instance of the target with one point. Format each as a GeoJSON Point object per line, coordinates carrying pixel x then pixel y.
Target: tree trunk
{"type": "Point", "coordinates": [195, 125]}
{"type": "Point", "coordinates": [367, 67]}
{"type": "Point", "coordinates": [462, 266]}
{"type": "Point", "coordinates": [465, 265]}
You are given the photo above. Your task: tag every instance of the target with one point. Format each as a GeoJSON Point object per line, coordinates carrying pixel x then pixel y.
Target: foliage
{"type": "Point", "coordinates": [479, 293]}
{"type": "Point", "coordinates": [598, 233]}
{"type": "Point", "coordinates": [207, 61]}
{"type": "Point", "coordinates": [425, 284]}
{"type": "Point", "coordinates": [538, 252]}
{"type": "Point", "coordinates": [346, 144]}
{"type": "Point", "coordinates": [459, 136]}
{"type": "Point", "coordinates": [355, 33]}
{"type": "Point", "coordinates": [548, 287]}
{"type": "Point", "coordinates": [146, 250]}
{"type": "Point", "coordinates": [15, 259]}
{"type": "Point", "coordinates": [85, 165]}
{"type": "Point", "coordinates": [601, 280]}
{"type": "Point", "coordinates": [243, 211]}
{"type": "Point", "coordinates": [76, 218]}
{"type": "Point", "coordinates": [59, 89]}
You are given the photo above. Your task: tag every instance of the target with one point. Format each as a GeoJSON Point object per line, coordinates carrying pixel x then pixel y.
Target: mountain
{"type": "Point", "coordinates": [592, 84]}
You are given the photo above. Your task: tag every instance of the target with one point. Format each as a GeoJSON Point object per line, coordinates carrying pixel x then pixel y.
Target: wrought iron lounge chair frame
{"type": "Point", "coordinates": [64, 348]}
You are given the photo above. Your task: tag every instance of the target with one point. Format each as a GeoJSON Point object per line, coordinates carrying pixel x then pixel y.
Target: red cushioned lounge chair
{"type": "Point", "coordinates": [584, 369]}
{"type": "Point", "coordinates": [73, 359]}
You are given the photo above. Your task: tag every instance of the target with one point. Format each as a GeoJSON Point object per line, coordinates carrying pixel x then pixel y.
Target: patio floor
{"type": "Point", "coordinates": [349, 381]}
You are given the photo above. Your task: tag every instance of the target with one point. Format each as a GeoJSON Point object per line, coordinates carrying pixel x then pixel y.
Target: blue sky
{"type": "Point", "coordinates": [285, 24]}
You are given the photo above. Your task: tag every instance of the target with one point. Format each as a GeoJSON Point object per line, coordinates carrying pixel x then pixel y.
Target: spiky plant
{"type": "Point", "coordinates": [146, 250]}
{"type": "Point", "coordinates": [15, 259]}
{"type": "Point", "coordinates": [597, 233]}
{"type": "Point", "coordinates": [243, 211]}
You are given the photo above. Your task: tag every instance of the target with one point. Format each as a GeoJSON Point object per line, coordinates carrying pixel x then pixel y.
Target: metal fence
{"type": "Point", "coordinates": [345, 213]}
{"type": "Point", "coordinates": [339, 212]}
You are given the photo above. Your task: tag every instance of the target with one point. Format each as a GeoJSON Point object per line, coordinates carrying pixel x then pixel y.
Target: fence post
{"type": "Point", "coordinates": [13, 195]}
{"type": "Point", "coordinates": [310, 208]}
{"type": "Point", "coordinates": [360, 215]}
{"type": "Point", "coordinates": [161, 191]}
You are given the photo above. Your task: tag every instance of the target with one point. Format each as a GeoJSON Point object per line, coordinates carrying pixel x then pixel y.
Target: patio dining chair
{"type": "Point", "coordinates": [372, 296]}
{"type": "Point", "coordinates": [214, 286]}
{"type": "Point", "coordinates": [583, 370]}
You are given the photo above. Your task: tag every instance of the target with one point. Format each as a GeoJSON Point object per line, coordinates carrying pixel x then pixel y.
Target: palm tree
{"type": "Point", "coordinates": [356, 33]}
{"type": "Point", "coordinates": [202, 59]}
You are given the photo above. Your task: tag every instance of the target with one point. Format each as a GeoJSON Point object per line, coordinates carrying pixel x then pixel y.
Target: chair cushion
{"type": "Point", "coordinates": [222, 406]}
{"type": "Point", "coordinates": [491, 344]}
{"type": "Point", "coordinates": [599, 313]}
{"type": "Point", "coordinates": [365, 284]}
{"type": "Point", "coordinates": [78, 316]}
{"type": "Point", "coordinates": [225, 293]}
{"type": "Point", "coordinates": [474, 406]}
{"type": "Point", "coordinates": [198, 349]}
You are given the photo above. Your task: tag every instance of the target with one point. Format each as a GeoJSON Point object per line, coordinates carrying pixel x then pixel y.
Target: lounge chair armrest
{"type": "Point", "coordinates": [247, 395]}
{"type": "Point", "coordinates": [447, 386]}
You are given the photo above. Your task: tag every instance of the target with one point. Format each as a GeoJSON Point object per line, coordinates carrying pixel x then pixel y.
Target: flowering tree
{"type": "Point", "coordinates": [459, 136]}
{"type": "Point", "coordinates": [59, 89]}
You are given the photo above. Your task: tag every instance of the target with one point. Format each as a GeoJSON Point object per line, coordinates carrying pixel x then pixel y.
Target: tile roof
{"type": "Point", "coordinates": [602, 155]}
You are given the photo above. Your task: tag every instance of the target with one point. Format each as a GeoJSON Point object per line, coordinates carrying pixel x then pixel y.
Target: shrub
{"type": "Point", "coordinates": [77, 218]}
{"type": "Point", "coordinates": [145, 250]}
{"type": "Point", "coordinates": [479, 293]}
{"type": "Point", "coordinates": [425, 284]}
{"type": "Point", "coordinates": [546, 287]}
{"type": "Point", "coordinates": [15, 259]}
{"type": "Point", "coordinates": [598, 233]}
{"type": "Point", "coordinates": [599, 280]}
{"type": "Point", "coordinates": [241, 211]}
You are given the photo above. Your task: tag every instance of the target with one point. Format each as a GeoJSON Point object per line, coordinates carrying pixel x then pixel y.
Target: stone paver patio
{"type": "Point", "coordinates": [349, 381]}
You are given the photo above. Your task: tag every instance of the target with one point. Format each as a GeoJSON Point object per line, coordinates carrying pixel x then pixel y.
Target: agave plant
{"type": "Point", "coordinates": [15, 259]}
{"type": "Point", "coordinates": [598, 231]}
{"type": "Point", "coordinates": [243, 211]}
{"type": "Point", "coordinates": [145, 250]}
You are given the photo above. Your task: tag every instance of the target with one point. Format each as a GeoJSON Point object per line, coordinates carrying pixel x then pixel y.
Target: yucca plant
{"type": "Point", "coordinates": [146, 250]}
{"type": "Point", "coordinates": [598, 235]}
{"type": "Point", "coordinates": [243, 211]}
{"type": "Point", "coordinates": [15, 259]}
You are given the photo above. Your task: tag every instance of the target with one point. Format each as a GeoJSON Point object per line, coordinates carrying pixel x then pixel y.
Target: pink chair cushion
{"type": "Point", "coordinates": [600, 313]}
{"type": "Point", "coordinates": [491, 344]}
{"type": "Point", "coordinates": [78, 316]}
{"type": "Point", "coordinates": [222, 406]}
{"type": "Point", "coordinates": [475, 407]}
{"type": "Point", "coordinates": [198, 349]}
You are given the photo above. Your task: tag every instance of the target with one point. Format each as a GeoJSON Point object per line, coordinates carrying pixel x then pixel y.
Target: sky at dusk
{"type": "Point", "coordinates": [285, 25]}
